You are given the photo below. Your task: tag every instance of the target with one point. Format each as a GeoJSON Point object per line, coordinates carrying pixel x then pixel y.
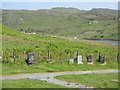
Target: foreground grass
{"type": "Point", "coordinates": [54, 67]}
{"type": "Point", "coordinates": [28, 83]}
{"type": "Point", "coordinates": [98, 80]}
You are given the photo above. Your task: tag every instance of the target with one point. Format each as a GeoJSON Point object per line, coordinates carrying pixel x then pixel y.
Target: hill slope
{"type": "Point", "coordinates": [68, 22]}
{"type": "Point", "coordinates": [59, 47]}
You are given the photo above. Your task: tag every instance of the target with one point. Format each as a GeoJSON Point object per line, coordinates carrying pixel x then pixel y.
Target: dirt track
{"type": "Point", "coordinates": [49, 77]}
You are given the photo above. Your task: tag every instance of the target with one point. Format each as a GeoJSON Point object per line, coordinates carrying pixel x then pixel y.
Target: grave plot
{"type": "Point", "coordinates": [30, 59]}
{"type": "Point", "coordinates": [102, 59]}
{"type": "Point", "coordinates": [90, 59]}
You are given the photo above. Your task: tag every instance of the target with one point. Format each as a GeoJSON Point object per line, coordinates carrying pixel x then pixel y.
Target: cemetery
{"type": "Point", "coordinates": [56, 45]}
{"type": "Point", "coordinates": [39, 54]}
{"type": "Point", "coordinates": [39, 60]}
{"type": "Point", "coordinates": [37, 57]}
{"type": "Point", "coordinates": [90, 59]}
{"type": "Point", "coordinates": [30, 58]}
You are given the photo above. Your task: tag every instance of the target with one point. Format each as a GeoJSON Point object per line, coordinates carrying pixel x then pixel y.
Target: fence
{"type": "Point", "coordinates": [19, 56]}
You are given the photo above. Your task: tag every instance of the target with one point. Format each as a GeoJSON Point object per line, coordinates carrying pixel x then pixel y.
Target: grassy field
{"type": "Point", "coordinates": [8, 69]}
{"type": "Point", "coordinates": [101, 80]}
{"type": "Point", "coordinates": [62, 49]}
{"type": "Point", "coordinates": [28, 83]}
{"type": "Point", "coordinates": [96, 80]}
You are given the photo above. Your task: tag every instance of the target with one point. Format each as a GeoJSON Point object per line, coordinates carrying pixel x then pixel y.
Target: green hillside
{"type": "Point", "coordinates": [61, 48]}
{"type": "Point", "coordinates": [68, 22]}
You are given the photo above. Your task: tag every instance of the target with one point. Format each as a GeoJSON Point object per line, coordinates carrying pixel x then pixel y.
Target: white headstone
{"type": "Point", "coordinates": [79, 59]}
{"type": "Point", "coordinates": [71, 61]}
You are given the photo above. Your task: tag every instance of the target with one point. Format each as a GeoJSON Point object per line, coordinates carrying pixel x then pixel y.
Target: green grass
{"type": "Point", "coordinates": [59, 47]}
{"type": "Point", "coordinates": [101, 80]}
{"type": "Point", "coordinates": [28, 83]}
{"type": "Point", "coordinates": [8, 69]}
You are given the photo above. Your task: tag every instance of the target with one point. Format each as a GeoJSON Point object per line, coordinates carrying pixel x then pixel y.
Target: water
{"type": "Point", "coordinates": [109, 41]}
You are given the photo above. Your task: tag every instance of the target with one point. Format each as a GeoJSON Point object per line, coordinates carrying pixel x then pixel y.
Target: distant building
{"type": "Point", "coordinates": [33, 33]}
{"type": "Point", "coordinates": [75, 37]}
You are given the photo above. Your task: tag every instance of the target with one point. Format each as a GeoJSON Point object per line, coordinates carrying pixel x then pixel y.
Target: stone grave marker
{"type": "Point", "coordinates": [90, 59]}
{"type": "Point", "coordinates": [102, 59]}
{"type": "Point", "coordinates": [30, 59]}
{"type": "Point", "coordinates": [79, 59]}
{"type": "Point", "coordinates": [71, 61]}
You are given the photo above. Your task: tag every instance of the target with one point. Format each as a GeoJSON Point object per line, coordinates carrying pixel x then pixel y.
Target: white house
{"type": "Point", "coordinates": [75, 37]}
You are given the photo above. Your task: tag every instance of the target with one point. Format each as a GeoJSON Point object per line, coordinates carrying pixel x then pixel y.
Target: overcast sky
{"type": "Point", "coordinates": [48, 4]}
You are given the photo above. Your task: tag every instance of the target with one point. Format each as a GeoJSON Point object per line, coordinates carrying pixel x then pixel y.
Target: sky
{"type": "Point", "coordinates": [47, 4]}
{"type": "Point", "coordinates": [60, 0]}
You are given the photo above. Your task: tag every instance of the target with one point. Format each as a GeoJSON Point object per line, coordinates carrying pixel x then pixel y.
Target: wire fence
{"type": "Point", "coordinates": [19, 56]}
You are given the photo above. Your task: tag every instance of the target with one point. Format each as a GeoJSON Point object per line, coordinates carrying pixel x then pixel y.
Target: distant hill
{"type": "Point", "coordinates": [68, 22]}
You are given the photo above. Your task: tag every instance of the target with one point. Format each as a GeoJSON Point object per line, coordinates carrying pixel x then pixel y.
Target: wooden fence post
{"type": "Point", "coordinates": [39, 54]}
{"type": "Point", "coordinates": [99, 56]}
{"type": "Point", "coordinates": [48, 54]}
{"type": "Point", "coordinates": [68, 55]}
{"type": "Point", "coordinates": [118, 57]}
{"type": "Point", "coordinates": [77, 54]}
{"type": "Point", "coordinates": [14, 54]}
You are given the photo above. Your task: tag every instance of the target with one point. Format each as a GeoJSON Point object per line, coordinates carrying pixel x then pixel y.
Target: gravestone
{"type": "Point", "coordinates": [90, 59]}
{"type": "Point", "coordinates": [102, 59]}
{"type": "Point", "coordinates": [30, 59]}
{"type": "Point", "coordinates": [71, 61]}
{"type": "Point", "coordinates": [79, 59]}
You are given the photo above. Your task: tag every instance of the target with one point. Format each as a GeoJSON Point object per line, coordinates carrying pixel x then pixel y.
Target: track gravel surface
{"type": "Point", "coordinates": [49, 77]}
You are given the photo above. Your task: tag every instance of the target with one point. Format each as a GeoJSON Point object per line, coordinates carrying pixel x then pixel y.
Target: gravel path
{"type": "Point", "coordinates": [49, 77]}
